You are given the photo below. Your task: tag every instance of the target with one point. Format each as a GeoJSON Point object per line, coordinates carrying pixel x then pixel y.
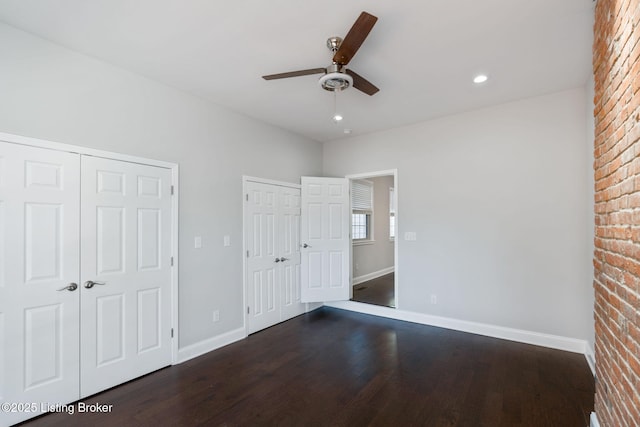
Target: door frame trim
{"type": "Point", "coordinates": [174, 167]}
{"type": "Point", "coordinates": [396, 240]}
{"type": "Point", "coordinates": [245, 282]}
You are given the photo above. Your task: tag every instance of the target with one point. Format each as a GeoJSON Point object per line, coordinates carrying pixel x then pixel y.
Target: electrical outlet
{"type": "Point", "coordinates": [434, 299]}
{"type": "Point", "coordinates": [227, 241]}
{"type": "Point", "coordinates": [216, 316]}
{"type": "Point", "coordinates": [197, 242]}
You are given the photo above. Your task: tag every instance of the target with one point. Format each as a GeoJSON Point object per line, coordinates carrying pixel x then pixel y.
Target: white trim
{"type": "Point", "coordinates": [371, 276]}
{"type": "Point", "coordinates": [372, 174]}
{"type": "Point", "coordinates": [246, 178]}
{"type": "Point", "coordinates": [205, 346]}
{"type": "Point", "coordinates": [34, 142]}
{"type": "Point", "coordinates": [594, 420]}
{"type": "Point", "coordinates": [528, 337]}
{"type": "Point", "coordinates": [591, 359]}
{"type": "Point", "coordinates": [362, 242]}
{"type": "Point", "coordinates": [175, 245]}
{"type": "Point", "coordinates": [76, 149]}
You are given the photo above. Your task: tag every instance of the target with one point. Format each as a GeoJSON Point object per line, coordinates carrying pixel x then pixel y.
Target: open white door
{"type": "Point", "coordinates": [325, 239]}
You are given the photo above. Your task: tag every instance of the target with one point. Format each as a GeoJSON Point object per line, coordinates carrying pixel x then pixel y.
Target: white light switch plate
{"type": "Point", "coordinates": [197, 242]}
{"type": "Point", "coordinates": [410, 235]}
{"type": "Point", "coordinates": [227, 240]}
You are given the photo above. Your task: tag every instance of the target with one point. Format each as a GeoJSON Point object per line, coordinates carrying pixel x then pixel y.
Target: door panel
{"type": "Point", "coordinates": [263, 273]}
{"type": "Point", "coordinates": [110, 239]}
{"type": "Point", "coordinates": [289, 219]}
{"type": "Point", "coordinates": [126, 328]}
{"type": "Point", "coordinates": [325, 232]}
{"type": "Point", "coordinates": [39, 253]}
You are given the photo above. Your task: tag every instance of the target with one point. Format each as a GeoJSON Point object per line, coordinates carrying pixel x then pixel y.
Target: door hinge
{"type": "Point", "coordinates": [246, 197]}
{"type": "Point", "coordinates": [171, 261]}
{"type": "Point", "coordinates": [172, 190]}
{"type": "Point", "coordinates": [171, 332]}
{"type": "Point", "coordinates": [247, 309]}
{"type": "Point", "coordinates": [247, 254]}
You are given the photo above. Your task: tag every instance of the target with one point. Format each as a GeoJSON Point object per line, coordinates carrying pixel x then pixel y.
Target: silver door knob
{"type": "Point", "coordinates": [277, 260]}
{"type": "Point", "coordinates": [306, 246]}
{"type": "Point", "coordinates": [283, 259]}
{"type": "Point", "coordinates": [90, 284]}
{"type": "Point", "coordinates": [70, 287]}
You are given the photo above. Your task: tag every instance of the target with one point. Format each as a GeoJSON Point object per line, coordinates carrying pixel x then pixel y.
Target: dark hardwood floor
{"type": "Point", "coordinates": [379, 291]}
{"type": "Point", "coordinates": [337, 368]}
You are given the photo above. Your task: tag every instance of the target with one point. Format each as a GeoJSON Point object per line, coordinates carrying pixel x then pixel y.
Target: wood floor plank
{"type": "Point", "coordinates": [337, 368]}
{"type": "Point", "coordinates": [379, 291]}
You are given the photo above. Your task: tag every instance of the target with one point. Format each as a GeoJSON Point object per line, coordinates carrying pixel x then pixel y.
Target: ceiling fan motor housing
{"type": "Point", "coordinates": [335, 79]}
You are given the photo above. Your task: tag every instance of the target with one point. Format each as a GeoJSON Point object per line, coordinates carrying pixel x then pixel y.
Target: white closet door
{"type": "Point", "coordinates": [39, 252]}
{"type": "Point", "coordinates": [126, 240]}
{"type": "Point", "coordinates": [289, 219]}
{"type": "Point", "coordinates": [263, 273]}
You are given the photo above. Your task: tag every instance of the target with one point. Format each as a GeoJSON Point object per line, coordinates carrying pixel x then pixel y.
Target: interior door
{"type": "Point", "coordinates": [325, 239]}
{"type": "Point", "coordinates": [126, 272]}
{"type": "Point", "coordinates": [263, 274]}
{"type": "Point", "coordinates": [289, 220]}
{"type": "Point", "coordinates": [39, 273]}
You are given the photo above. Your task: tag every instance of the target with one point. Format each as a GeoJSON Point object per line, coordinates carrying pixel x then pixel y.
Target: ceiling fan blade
{"type": "Point", "coordinates": [362, 84]}
{"type": "Point", "coordinates": [294, 73]}
{"type": "Point", "coordinates": [354, 38]}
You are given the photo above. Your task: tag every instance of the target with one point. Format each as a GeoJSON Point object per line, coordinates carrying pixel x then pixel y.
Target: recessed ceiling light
{"type": "Point", "coordinates": [347, 131]}
{"type": "Point", "coordinates": [337, 118]}
{"type": "Point", "coordinates": [480, 78]}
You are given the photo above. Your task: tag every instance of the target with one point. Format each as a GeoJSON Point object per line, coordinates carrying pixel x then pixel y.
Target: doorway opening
{"type": "Point", "coordinates": [373, 238]}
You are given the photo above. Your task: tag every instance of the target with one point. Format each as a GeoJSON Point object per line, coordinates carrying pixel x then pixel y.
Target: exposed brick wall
{"type": "Point", "coordinates": [616, 63]}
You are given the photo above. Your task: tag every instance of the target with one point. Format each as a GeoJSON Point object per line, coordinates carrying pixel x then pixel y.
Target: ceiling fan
{"type": "Point", "coordinates": [336, 76]}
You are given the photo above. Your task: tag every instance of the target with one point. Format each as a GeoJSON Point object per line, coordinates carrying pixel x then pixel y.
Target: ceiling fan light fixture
{"type": "Point", "coordinates": [480, 78]}
{"type": "Point", "coordinates": [335, 82]}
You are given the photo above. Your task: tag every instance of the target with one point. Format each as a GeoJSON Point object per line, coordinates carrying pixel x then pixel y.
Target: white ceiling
{"type": "Point", "coordinates": [421, 54]}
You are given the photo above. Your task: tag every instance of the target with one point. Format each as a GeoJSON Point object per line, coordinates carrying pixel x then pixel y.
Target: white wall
{"type": "Point", "coordinates": [52, 93]}
{"type": "Point", "coordinates": [497, 198]}
{"type": "Point", "coordinates": [376, 255]}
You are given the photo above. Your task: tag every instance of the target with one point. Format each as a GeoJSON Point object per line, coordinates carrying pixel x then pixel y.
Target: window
{"type": "Point", "coordinates": [359, 226]}
{"type": "Point", "coordinates": [392, 213]}
{"type": "Point", "coordinates": [362, 210]}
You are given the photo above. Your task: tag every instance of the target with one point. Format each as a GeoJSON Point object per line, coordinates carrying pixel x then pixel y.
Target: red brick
{"type": "Point", "coordinates": [616, 65]}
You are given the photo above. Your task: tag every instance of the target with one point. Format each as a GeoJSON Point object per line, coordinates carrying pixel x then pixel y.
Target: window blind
{"type": "Point", "coordinates": [362, 196]}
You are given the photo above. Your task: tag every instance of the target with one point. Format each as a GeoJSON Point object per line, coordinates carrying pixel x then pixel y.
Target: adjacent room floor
{"type": "Point", "coordinates": [379, 291]}
{"type": "Point", "coordinates": [337, 368]}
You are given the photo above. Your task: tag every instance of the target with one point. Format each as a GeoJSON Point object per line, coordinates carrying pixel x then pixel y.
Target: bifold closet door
{"type": "Point", "coordinates": [263, 262]}
{"type": "Point", "coordinates": [273, 263]}
{"type": "Point", "coordinates": [126, 276]}
{"type": "Point", "coordinates": [289, 242]}
{"type": "Point", "coordinates": [39, 275]}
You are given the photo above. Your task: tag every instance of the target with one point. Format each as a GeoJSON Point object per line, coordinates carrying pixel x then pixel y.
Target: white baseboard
{"type": "Point", "coordinates": [198, 349]}
{"type": "Point", "coordinates": [528, 337]}
{"type": "Point", "coordinates": [594, 420]}
{"type": "Point", "coordinates": [371, 276]}
{"type": "Point", "coordinates": [591, 359]}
